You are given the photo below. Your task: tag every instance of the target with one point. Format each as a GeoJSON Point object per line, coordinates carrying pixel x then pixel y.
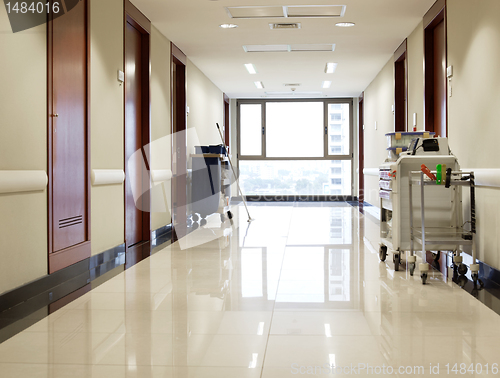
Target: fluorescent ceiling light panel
{"type": "Point", "coordinates": [255, 12]}
{"type": "Point", "coordinates": [312, 47]}
{"type": "Point", "coordinates": [266, 48]}
{"type": "Point", "coordinates": [290, 48]}
{"type": "Point", "coordinates": [345, 24]}
{"type": "Point", "coordinates": [316, 10]}
{"type": "Point", "coordinates": [228, 26]}
{"type": "Point", "coordinates": [305, 11]}
{"type": "Point", "coordinates": [259, 84]}
{"type": "Point", "coordinates": [326, 84]}
{"type": "Point", "coordinates": [330, 68]}
{"type": "Point", "coordinates": [250, 68]}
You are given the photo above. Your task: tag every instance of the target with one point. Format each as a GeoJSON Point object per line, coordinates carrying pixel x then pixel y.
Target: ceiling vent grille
{"type": "Point", "coordinates": [292, 85]}
{"type": "Point", "coordinates": [295, 25]}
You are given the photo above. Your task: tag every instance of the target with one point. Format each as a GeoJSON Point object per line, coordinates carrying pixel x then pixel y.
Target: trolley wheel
{"type": "Point", "coordinates": [222, 218]}
{"type": "Point", "coordinates": [412, 268]}
{"type": "Point", "coordinates": [475, 278]}
{"type": "Point", "coordinates": [462, 269]}
{"type": "Point", "coordinates": [195, 225]}
{"type": "Point", "coordinates": [382, 253]}
{"type": "Point", "coordinates": [436, 255]}
{"type": "Point", "coordinates": [423, 276]}
{"type": "Point", "coordinates": [203, 222]}
{"type": "Point", "coordinates": [397, 261]}
{"type": "Point", "coordinates": [462, 281]}
{"type": "Point", "coordinates": [196, 217]}
{"type": "Point", "coordinates": [230, 215]}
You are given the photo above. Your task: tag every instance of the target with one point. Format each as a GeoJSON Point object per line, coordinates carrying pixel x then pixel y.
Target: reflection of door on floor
{"type": "Point", "coordinates": [136, 133]}
{"type": "Point", "coordinates": [68, 139]}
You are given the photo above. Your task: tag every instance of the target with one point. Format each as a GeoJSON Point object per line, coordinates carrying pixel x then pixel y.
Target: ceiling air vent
{"type": "Point", "coordinates": [292, 85]}
{"type": "Point", "coordinates": [293, 25]}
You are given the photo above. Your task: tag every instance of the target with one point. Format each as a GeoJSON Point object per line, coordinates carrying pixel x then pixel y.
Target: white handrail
{"type": "Point", "coordinates": [107, 177]}
{"type": "Point", "coordinates": [22, 181]}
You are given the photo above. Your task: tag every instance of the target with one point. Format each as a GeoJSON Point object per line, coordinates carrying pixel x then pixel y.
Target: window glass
{"type": "Point", "coordinates": [338, 129]}
{"type": "Point", "coordinates": [294, 129]}
{"type": "Point", "coordinates": [251, 129]}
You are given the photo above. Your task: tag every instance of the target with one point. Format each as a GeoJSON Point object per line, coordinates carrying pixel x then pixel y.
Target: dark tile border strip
{"type": "Point", "coordinates": [297, 198]}
{"type": "Point", "coordinates": [25, 305]}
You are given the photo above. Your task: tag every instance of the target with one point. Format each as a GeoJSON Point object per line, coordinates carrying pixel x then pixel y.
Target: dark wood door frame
{"type": "Point", "coordinates": [141, 23]}
{"type": "Point", "coordinates": [361, 151]}
{"type": "Point", "coordinates": [60, 259]}
{"type": "Point", "coordinates": [401, 88]}
{"type": "Point", "coordinates": [227, 122]}
{"type": "Point", "coordinates": [178, 90]}
{"type": "Point", "coordinates": [435, 15]}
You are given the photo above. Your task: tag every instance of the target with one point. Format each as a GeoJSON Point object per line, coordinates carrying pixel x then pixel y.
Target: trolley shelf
{"type": "Point", "coordinates": [443, 236]}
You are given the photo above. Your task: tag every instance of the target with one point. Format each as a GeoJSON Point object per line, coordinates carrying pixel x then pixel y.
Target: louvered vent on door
{"type": "Point", "coordinates": [67, 222]}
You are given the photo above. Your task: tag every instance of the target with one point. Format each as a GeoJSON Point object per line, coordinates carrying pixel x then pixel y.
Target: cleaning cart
{"type": "Point", "coordinates": [211, 183]}
{"type": "Point", "coordinates": [422, 149]}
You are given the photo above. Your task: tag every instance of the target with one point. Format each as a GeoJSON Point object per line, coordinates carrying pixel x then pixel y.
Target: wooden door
{"type": "Point", "coordinates": [137, 126]}
{"type": "Point", "coordinates": [179, 144]}
{"type": "Point", "coordinates": [435, 62]}
{"type": "Point", "coordinates": [68, 162]}
{"type": "Point", "coordinates": [133, 139]}
{"type": "Point", "coordinates": [439, 68]}
{"type": "Point", "coordinates": [400, 89]}
{"type": "Point", "coordinates": [361, 160]}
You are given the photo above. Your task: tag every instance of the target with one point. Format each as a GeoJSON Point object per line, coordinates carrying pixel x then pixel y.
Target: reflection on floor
{"type": "Point", "coordinates": [298, 291]}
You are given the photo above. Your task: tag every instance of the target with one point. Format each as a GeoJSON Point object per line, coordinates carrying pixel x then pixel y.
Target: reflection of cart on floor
{"type": "Point", "coordinates": [211, 183]}
{"type": "Point", "coordinates": [444, 236]}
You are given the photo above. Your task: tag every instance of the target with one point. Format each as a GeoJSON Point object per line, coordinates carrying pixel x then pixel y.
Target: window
{"type": "Point", "coordinates": [292, 147]}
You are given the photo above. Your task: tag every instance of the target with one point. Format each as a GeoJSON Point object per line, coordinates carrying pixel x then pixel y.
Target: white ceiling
{"type": "Point", "coordinates": [360, 51]}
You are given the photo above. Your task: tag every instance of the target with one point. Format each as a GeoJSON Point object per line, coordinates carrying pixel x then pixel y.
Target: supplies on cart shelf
{"type": "Point", "coordinates": [399, 142]}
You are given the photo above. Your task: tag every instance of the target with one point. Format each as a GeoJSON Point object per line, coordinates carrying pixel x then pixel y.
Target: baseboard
{"type": "Point", "coordinates": [296, 198]}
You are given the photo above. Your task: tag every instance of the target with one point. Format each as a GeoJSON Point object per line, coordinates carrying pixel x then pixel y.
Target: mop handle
{"type": "Point", "coordinates": [234, 173]}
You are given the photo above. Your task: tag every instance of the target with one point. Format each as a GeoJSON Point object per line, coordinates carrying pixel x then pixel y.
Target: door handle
{"type": "Point", "coordinates": [55, 115]}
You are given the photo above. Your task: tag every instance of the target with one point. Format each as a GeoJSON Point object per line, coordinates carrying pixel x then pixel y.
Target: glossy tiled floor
{"type": "Point", "coordinates": [289, 294]}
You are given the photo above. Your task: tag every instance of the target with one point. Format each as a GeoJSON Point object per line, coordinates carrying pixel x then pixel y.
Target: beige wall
{"type": "Point", "coordinates": [205, 102]}
{"type": "Point", "coordinates": [474, 108]}
{"type": "Point", "coordinates": [415, 61]}
{"type": "Point", "coordinates": [107, 109]}
{"type": "Point", "coordinates": [23, 141]}
{"type": "Point", "coordinates": [378, 101]}
{"type": "Point", "coordinates": [160, 125]}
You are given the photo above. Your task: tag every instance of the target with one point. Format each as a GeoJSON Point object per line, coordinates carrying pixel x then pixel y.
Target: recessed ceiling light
{"type": "Point", "coordinates": [259, 84]}
{"type": "Point", "coordinates": [228, 26]}
{"type": "Point", "coordinates": [250, 68]}
{"type": "Point", "coordinates": [326, 84]}
{"type": "Point", "coordinates": [345, 24]}
{"type": "Point", "coordinates": [330, 67]}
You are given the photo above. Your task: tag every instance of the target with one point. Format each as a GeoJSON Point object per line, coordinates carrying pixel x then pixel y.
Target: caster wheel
{"type": "Point", "coordinates": [462, 269]}
{"type": "Point", "coordinates": [230, 215]}
{"type": "Point", "coordinates": [203, 222]}
{"type": "Point", "coordinates": [397, 261]}
{"type": "Point", "coordinates": [412, 268]}
{"type": "Point", "coordinates": [436, 256]}
{"type": "Point", "coordinates": [423, 276]}
{"type": "Point", "coordinates": [222, 218]}
{"type": "Point", "coordinates": [475, 278]}
{"type": "Point", "coordinates": [196, 217]}
{"type": "Point", "coordinates": [195, 225]}
{"type": "Point", "coordinates": [382, 253]}
{"type": "Point", "coordinates": [462, 281]}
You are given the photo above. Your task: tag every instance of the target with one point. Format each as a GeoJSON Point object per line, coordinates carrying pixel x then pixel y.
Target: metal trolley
{"type": "Point", "coordinates": [452, 237]}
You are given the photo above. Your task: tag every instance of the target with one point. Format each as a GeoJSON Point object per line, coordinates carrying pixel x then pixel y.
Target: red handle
{"type": "Point", "coordinates": [427, 171]}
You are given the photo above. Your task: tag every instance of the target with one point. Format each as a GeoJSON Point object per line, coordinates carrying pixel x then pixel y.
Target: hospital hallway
{"type": "Point", "coordinates": [299, 291]}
